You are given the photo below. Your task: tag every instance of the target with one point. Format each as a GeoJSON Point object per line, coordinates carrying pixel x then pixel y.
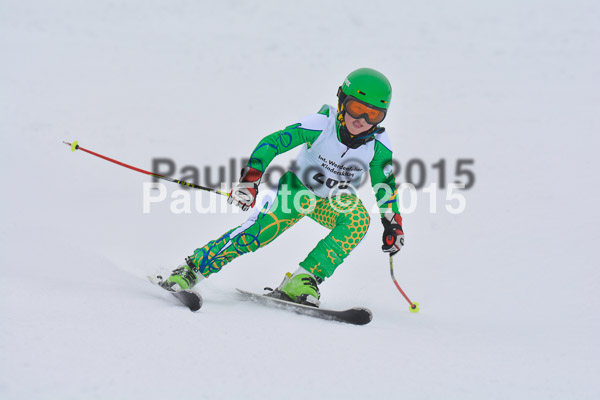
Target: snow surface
{"type": "Point", "coordinates": [509, 289]}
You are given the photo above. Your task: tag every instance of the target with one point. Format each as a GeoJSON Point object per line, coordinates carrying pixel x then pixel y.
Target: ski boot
{"type": "Point", "coordinates": [183, 277]}
{"type": "Point", "coordinates": [298, 288]}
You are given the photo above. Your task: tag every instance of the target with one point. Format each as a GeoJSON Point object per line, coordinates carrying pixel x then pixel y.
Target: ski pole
{"type": "Point", "coordinates": [76, 146]}
{"type": "Point", "coordinates": [414, 306]}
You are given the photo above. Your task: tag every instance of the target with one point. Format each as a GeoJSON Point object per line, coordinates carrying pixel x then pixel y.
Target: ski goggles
{"type": "Point", "coordinates": [357, 109]}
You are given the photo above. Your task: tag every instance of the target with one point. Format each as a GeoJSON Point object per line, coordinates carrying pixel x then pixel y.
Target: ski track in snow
{"type": "Point", "coordinates": [508, 289]}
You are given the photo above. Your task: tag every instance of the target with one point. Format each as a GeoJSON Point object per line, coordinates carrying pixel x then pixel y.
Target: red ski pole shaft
{"type": "Point", "coordinates": [414, 307]}
{"type": "Point", "coordinates": [76, 146]}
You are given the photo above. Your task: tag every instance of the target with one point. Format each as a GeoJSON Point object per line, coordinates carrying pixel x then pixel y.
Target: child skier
{"type": "Point", "coordinates": [339, 145]}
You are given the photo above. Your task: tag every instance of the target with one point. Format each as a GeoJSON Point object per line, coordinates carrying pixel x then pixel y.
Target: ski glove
{"type": "Point", "coordinates": [244, 192]}
{"type": "Point", "coordinates": [393, 236]}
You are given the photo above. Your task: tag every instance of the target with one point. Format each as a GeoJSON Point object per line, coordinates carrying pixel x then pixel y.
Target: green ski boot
{"type": "Point", "coordinates": [300, 288]}
{"type": "Point", "coordinates": [183, 277]}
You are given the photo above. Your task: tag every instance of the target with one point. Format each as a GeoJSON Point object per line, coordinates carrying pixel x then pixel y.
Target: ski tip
{"type": "Point", "coordinates": [362, 316]}
{"type": "Point", "coordinates": [414, 307]}
{"type": "Point", "coordinates": [190, 298]}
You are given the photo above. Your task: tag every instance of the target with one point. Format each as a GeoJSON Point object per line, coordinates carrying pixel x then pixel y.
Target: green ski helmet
{"type": "Point", "coordinates": [368, 86]}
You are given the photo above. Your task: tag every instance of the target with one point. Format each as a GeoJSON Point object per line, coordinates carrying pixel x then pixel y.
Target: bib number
{"type": "Point", "coordinates": [330, 183]}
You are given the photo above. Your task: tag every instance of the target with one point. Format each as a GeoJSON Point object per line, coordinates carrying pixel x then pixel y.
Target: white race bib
{"type": "Point", "coordinates": [329, 165]}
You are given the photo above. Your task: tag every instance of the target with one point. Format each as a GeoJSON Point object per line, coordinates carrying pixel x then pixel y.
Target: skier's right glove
{"type": "Point", "coordinates": [244, 192]}
{"type": "Point", "coordinates": [393, 236]}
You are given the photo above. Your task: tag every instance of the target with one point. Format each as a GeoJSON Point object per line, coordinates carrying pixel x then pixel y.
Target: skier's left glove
{"type": "Point", "coordinates": [393, 236]}
{"type": "Point", "coordinates": [244, 192]}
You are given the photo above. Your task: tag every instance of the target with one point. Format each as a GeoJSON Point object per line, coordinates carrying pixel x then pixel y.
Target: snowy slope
{"type": "Point", "coordinates": [508, 288]}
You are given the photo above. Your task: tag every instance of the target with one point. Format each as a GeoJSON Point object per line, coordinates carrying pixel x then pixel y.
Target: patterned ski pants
{"type": "Point", "coordinates": [345, 215]}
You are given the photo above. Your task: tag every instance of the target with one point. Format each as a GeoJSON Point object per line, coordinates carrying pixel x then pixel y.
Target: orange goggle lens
{"type": "Point", "coordinates": [358, 109]}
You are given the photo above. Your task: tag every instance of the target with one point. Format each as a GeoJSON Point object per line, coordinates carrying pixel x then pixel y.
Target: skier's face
{"type": "Point", "coordinates": [356, 126]}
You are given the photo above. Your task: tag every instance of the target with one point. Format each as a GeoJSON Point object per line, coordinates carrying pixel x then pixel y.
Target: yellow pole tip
{"type": "Point", "coordinates": [74, 145]}
{"type": "Point", "coordinates": [414, 308]}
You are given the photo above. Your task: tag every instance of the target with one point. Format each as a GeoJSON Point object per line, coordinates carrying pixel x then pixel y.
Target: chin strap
{"type": "Point", "coordinates": [354, 142]}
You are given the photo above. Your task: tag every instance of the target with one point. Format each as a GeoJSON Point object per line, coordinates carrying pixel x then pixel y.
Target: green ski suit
{"type": "Point", "coordinates": [298, 196]}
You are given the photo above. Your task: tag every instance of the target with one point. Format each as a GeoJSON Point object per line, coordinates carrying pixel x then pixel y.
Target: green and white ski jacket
{"type": "Point", "coordinates": [325, 164]}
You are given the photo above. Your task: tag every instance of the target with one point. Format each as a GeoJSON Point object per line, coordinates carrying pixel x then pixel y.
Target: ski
{"type": "Point", "coordinates": [188, 297]}
{"type": "Point", "coordinates": [355, 316]}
